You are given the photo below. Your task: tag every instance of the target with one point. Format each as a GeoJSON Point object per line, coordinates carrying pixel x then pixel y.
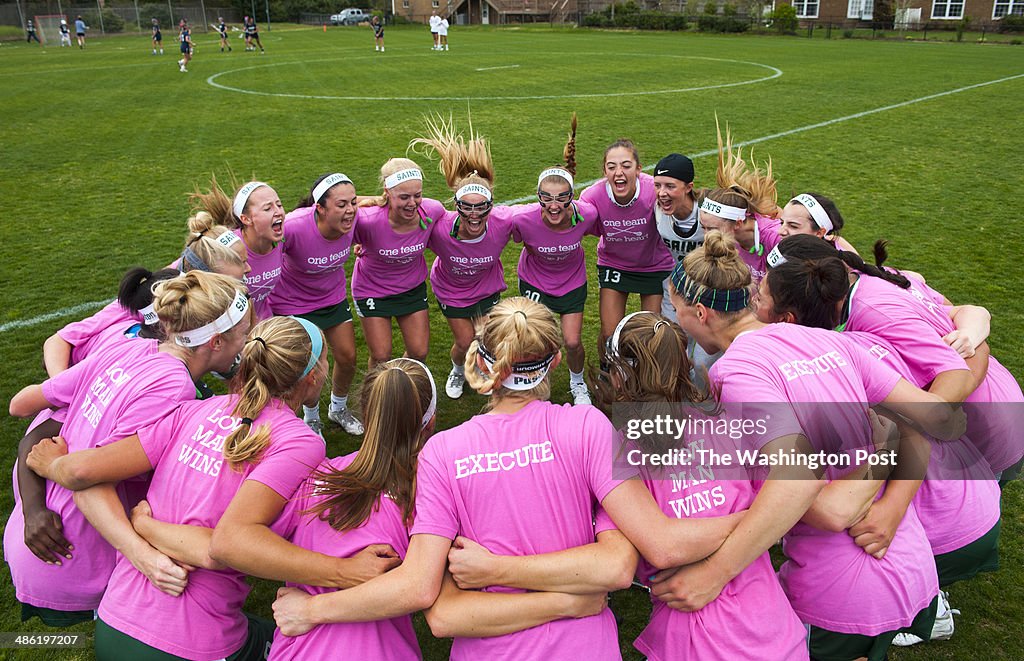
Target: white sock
{"type": "Point", "coordinates": [576, 378]}
{"type": "Point", "coordinates": [310, 413]}
{"type": "Point", "coordinates": [459, 369]}
{"type": "Point", "coordinates": [339, 403]}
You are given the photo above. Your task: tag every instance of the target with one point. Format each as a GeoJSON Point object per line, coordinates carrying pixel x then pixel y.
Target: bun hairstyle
{"type": "Point", "coordinates": [193, 299]}
{"type": "Point", "coordinates": [216, 203]}
{"type": "Point", "coordinates": [807, 246]}
{"type": "Point", "coordinates": [812, 290]}
{"type": "Point", "coordinates": [462, 161]}
{"type": "Point", "coordinates": [274, 359]}
{"type": "Point", "coordinates": [516, 331]}
{"type": "Point", "coordinates": [395, 397]}
{"type": "Point", "coordinates": [717, 264]}
{"type": "Point", "coordinates": [208, 254]}
{"type": "Point", "coordinates": [651, 362]}
{"type": "Point", "coordinates": [734, 173]}
{"type": "Point", "coordinates": [136, 289]}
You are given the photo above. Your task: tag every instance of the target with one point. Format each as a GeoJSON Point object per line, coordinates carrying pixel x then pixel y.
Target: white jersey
{"type": "Point", "coordinates": [435, 23]}
{"type": "Point", "coordinates": [681, 235]}
{"type": "Point", "coordinates": [442, 27]}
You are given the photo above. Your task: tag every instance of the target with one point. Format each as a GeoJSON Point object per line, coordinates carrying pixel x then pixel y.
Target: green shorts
{"type": "Point", "coordinates": [396, 305]}
{"type": "Point", "coordinates": [330, 316]}
{"type": "Point", "coordinates": [631, 282]}
{"type": "Point", "coordinates": [55, 618]}
{"type": "Point", "coordinates": [114, 645]}
{"type": "Point", "coordinates": [831, 646]}
{"type": "Point", "coordinates": [568, 303]}
{"type": "Point", "coordinates": [474, 311]}
{"type": "Point", "coordinates": [981, 555]}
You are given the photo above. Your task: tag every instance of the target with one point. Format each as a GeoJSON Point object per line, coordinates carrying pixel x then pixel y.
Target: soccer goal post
{"type": "Point", "coordinates": [48, 27]}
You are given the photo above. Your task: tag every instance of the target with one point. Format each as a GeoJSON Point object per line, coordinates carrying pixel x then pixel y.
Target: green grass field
{"type": "Point", "coordinates": [917, 142]}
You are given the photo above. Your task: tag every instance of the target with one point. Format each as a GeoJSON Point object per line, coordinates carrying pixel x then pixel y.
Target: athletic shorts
{"type": "Point", "coordinates": [113, 644]}
{"type": "Point", "coordinates": [330, 316]}
{"type": "Point", "coordinates": [396, 305]}
{"type": "Point", "coordinates": [631, 282]}
{"type": "Point", "coordinates": [478, 309]}
{"type": "Point", "coordinates": [55, 618]}
{"type": "Point", "coordinates": [157, 36]}
{"type": "Point", "coordinates": [79, 34]}
{"type": "Point", "coordinates": [185, 48]}
{"type": "Point", "coordinates": [981, 555]}
{"type": "Point", "coordinates": [568, 303]}
{"type": "Point", "coordinates": [831, 646]}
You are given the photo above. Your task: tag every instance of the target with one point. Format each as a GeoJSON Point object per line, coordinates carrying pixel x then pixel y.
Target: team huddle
{"type": "Point", "coordinates": [144, 500]}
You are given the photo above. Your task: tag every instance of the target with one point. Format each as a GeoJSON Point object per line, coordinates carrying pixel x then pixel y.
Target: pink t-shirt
{"type": "Point", "coordinates": [465, 272]}
{"type": "Point", "coordinates": [192, 485]}
{"type": "Point", "coordinates": [381, 639]}
{"type": "Point", "coordinates": [313, 268]}
{"type": "Point", "coordinates": [732, 626]}
{"type": "Point", "coordinates": [915, 324]}
{"type": "Point", "coordinates": [958, 501]}
{"type": "Point", "coordinates": [831, 582]}
{"type": "Point", "coordinates": [391, 263]}
{"type": "Point", "coordinates": [629, 234]}
{"type": "Point", "coordinates": [109, 396]}
{"type": "Point", "coordinates": [768, 235]}
{"type": "Point", "coordinates": [264, 275]}
{"type": "Point", "coordinates": [83, 335]}
{"type": "Point", "coordinates": [523, 484]}
{"type": "Point", "coordinates": [552, 261]}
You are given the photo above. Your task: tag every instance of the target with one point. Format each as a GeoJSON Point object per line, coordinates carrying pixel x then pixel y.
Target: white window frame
{"type": "Point", "coordinates": [948, 4]}
{"type": "Point", "coordinates": [801, 5]}
{"type": "Point", "coordinates": [865, 9]}
{"type": "Point", "coordinates": [1010, 6]}
{"type": "Point", "coordinates": [435, 4]}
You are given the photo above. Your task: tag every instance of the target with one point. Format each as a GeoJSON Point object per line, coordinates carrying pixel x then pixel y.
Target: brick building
{"type": "Point", "coordinates": [917, 11]}
{"type": "Point", "coordinates": [487, 12]}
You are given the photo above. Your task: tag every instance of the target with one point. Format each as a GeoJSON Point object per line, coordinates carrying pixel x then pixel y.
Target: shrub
{"type": "Point", "coordinates": [1012, 23]}
{"type": "Point", "coordinates": [784, 19]}
{"type": "Point", "coordinates": [847, 34]}
{"type": "Point", "coordinates": [111, 22]}
{"type": "Point", "coordinates": [711, 8]}
{"type": "Point", "coordinates": [1016, 42]}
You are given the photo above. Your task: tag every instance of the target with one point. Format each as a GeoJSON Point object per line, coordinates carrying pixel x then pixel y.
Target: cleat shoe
{"type": "Point", "coordinates": [346, 420]}
{"type": "Point", "coordinates": [580, 393]}
{"type": "Point", "coordinates": [453, 386]}
{"type": "Point", "coordinates": [317, 427]}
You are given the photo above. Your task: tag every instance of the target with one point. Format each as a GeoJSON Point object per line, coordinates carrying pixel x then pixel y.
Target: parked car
{"type": "Point", "coordinates": [350, 17]}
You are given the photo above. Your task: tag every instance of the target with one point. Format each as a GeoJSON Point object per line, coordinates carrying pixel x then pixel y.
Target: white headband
{"type": "Point", "coordinates": [329, 182]}
{"type": "Point", "coordinates": [775, 258]}
{"type": "Point", "coordinates": [242, 196]}
{"type": "Point", "coordinates": [228, 239]}
{"type": "Point", "coordinates": [432, 409]}
{"type": "Point", "coordinates": [524, 376]}
{"type": "Point", "coordinates": [556, 172]}
{"type": "Point", "coordinates": [149, 316]}
{"type": "Point", "coordinates": [402, 176]}
{"type": "Point", "coordinates": [819, 215]}
{"type": "Point", "coordinates": [222, 324]}
{"type": "Point", "coordinates": [473, 188]}
{"type": "Point", "coordinates": [722, 210]}
{"type": "Point", "coordinates": [613, 344]}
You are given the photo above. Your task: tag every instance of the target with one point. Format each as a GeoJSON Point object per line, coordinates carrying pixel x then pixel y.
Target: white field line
{"type": "Point", "coordinates": [507, 66]}
{"type": "Point", "coordinates": [56, 314]}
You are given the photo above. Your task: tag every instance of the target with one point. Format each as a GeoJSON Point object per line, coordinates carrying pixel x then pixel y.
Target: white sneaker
{"type": "Point", "coordinates": [580, 393]}
{"type": "Point", "coordinates": [453, 386]}
{"type": "Point", "coordinates": [347, 421]}
{"type": "Point", "coordinates": [317, 427]}
{"type": "Point", "coordinates": [184, 70]}
{"type": "Point", "coordinates": [941, 630]}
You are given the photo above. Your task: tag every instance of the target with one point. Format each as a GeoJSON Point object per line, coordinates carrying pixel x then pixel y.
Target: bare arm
{"type": "Point", "coordinates": [933, 413]}
{"type": "Point", "coordinates": [470, 614]}
{"type": "Point", "coordinates": [603, 566]}
{"type": "Point", "coordinates": [411, 587]}
{"type": "Point", "coordinates": [28, 401]}
{"type": "Point", "coordinates": [44, 530]}
{"type": "Point", "coordinates": [104, 510]}
{"type": "Point", "coordinates": [187, 544]}
{"type": "Point", "coordinates": [973, 324]}
{"type": "Point", "coordinates": [86, 468]}
{"type": "Point", "coordinates": [244, 541]}
{"type": "Point", "coordinates": [664, 541]}
{"type": "Point", "coordinates": [56, 355]}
